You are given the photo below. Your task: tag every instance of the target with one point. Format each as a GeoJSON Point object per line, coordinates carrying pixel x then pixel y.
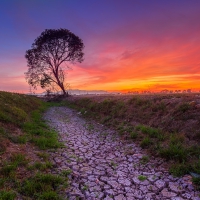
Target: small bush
{"type": "Point", "coordinates": [174, 152]}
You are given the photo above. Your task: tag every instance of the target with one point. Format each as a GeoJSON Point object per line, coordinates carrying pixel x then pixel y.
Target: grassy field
{"type": "Point", "coordinates": [166, 126]}
{"type": "Point", "coordinates": [25, 169]}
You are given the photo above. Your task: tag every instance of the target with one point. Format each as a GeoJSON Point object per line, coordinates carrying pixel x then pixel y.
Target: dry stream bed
{"type": "Point", "coordinates": [105, 167]}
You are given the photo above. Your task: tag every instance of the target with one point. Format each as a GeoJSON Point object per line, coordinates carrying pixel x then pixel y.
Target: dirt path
{"type": "Point", "coordinates": [106, 168]}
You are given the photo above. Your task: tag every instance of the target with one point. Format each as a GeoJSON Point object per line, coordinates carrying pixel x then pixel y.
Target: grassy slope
{"type": "Point", "coordinates": [24, 137]}
{"type": "Point", "coordinates": [167, 126]}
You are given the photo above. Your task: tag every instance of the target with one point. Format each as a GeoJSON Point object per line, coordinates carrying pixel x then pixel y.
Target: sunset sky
{"type": "Point", "coordinates": [129, 44]}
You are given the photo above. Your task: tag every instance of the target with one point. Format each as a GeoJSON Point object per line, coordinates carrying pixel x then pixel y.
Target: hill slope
{"type": "Point", "coordinates": [25, 169]}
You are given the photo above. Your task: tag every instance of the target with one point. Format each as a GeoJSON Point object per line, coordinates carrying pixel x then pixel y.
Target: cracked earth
{"type": "Point", "coordinates": [105, 167]}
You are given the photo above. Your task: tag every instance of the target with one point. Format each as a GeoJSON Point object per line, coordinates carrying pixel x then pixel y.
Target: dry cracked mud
{"type": "Point", "coordinates": [104, 167]}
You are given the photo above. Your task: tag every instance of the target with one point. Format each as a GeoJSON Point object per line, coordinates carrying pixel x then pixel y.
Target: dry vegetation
{"type": "Point", "coordinates": [165, 125]}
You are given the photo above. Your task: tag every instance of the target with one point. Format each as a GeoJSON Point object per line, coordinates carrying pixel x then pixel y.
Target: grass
{"type": "Point", "coordinates": [65, 173]}
{"type": "Point", "coordinates": [151, 132]}
{"type": "Point", "coordinates": [9, 168]}
{"type": "Point", "coordinates": [20, 125]}
{"type": "Point", "coordinates": [133, 134]}
{"type": "Point", "coordinates": [7, 195]}
{"type": "Point", "coordinates": [89, 127]}
{"type": "Point", "coordinates": [113, 164]}
{"type": "Point", "coordinates": [41, 135]}
{"type": "Point", "coordinates": [40, 166]}
{"type": "Point", "coordinates": [15, 107]}
{"type": "Point", "coordinates": [41, 186]}
{"type": "Point", "coordinates": [179, 169]}
{"type": "Point", "coordinates": [145, 142]}
{"type": "Point", "coordinates": [142, 178]}
{"type": "Point", "coordinates": [174, 152]}
{"type": "Point", "coordinates": [196, 181]}
{"type": "Point", "coordinates": [144, 160]}
{"type": "Point", "coordinates": [44, 156]}
{"type": "Point", "coordinates": [85, 187]}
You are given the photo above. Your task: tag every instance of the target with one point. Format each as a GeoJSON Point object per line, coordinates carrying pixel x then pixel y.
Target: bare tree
{"type": "Point", "coordinates": [48, 57]}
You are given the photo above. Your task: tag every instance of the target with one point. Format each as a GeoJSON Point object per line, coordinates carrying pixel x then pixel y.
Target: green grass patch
{"type": "Point", "coordinates": [174, 152]}
{"type": "Point", "coordinates": [42, 186]}
{"type": "Point", "coordinates": [133, 135]}
{"type": "Point", "coordinates": [7, 195]}
{"type": "Point", "coordinates": [144, 160]}
{"type": "Point", "coordinates": [40, 166]}
{"type": "Point", "coordinates": [9, 168]}
{"type": "Point", "coordinates": [43, 155]}
{"type": "Point", "coordinates": [152, 132]}
{"type": "Point", "coordinates": [179, 169]}
{"type": "Point", "coordinates": [66, 173]}
{"type": "Point", "coordinates": [142, 178]}
{"type": "Point", "coordinates": [15, 108]}
{"type": "Point", "coordinates": [41, 135]}
{"type": "Point", "coordinates": [146, 142]}
{"type": "Point", "coordinates": [196, 181]}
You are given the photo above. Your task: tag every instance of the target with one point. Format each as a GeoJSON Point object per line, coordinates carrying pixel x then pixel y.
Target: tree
{"type": "Point", "coordinates": [48, 56]}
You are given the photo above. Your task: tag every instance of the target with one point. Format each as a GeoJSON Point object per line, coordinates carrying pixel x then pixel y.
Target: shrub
{"type": "Point", "coordinates": [179, 169]}
{"type": "Point", "coordinates": [174, 152]}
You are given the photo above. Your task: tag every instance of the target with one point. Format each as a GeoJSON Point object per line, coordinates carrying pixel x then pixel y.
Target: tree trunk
{"type": "Point", "coordinates": [60, 84]}
{"type": "Point", "coordinates": [63, 90]}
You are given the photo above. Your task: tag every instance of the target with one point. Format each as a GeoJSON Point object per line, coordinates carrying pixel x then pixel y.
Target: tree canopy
{"type": "Point", "coordinates": [48, 57]}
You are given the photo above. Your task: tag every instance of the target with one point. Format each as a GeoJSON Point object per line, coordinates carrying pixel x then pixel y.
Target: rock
{"type": "Point", "coordinates": [160, 184]}
{"type": "Point", "coordinates": [166, 193]}
{"type": "Point", "coordinates": [120, 197]}
{"type": "Point", "coordinates": [124, 182]}
{"type": "Point", "coordinates": [113, 184]}
{"type": "Point", "coordinates": [174, 187]}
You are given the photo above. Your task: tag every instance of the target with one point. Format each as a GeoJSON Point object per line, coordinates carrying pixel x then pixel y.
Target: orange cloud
{"type": "Point", "coordinates": [152, 67]}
